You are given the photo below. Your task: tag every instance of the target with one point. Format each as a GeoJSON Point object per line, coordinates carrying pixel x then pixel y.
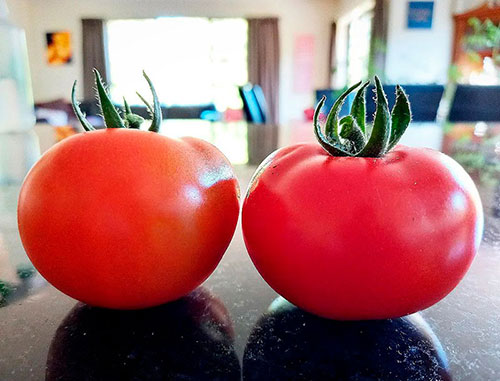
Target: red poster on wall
{"type": "Point", "coordinates": [303, 63]}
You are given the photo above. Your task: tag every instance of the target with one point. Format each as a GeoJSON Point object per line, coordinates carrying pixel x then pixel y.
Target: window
{"type": "Point", "coordinates": [191, 60]}
{"type": "Point", "coordinates": [358, 47]}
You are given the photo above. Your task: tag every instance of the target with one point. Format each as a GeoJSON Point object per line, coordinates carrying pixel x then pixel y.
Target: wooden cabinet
{"type": "Point", "coordinates": [489, 10]}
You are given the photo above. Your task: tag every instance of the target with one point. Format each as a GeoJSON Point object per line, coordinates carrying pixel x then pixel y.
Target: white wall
{"type": "Point", "coordinates": [296, 17]}
{"type": "Point", "coordinates": [462, 6]}
{"type": "Point", "coordinates": [412, 55]}
{"type": "Point", "coordinates": [419, 55]}
{"type": "Point", "coordinates": [18, 11]}
{"type": "Point", "coordinates": [422, 55]}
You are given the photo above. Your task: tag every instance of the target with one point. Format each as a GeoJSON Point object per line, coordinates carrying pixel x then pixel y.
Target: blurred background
{"type": "Point", "coordinates": [246, 75]}
{"type": "Point", "coordinates": [221, 66]}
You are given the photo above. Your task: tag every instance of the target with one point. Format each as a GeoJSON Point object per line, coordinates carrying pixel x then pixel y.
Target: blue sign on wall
{"type": "Point", "coordinates": [420, 14]}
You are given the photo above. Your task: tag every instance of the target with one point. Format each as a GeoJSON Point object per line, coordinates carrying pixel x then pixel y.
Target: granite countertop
{"type": "Point", "coordinates": [236, 324]}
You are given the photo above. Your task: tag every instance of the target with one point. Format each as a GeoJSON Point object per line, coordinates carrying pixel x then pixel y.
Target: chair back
{"type": "Point", "coordinates": [254, 112]}
{"type": "Point", "coordinates": [424, 100]}
{"type": "Point", "coordinates": [475, 104]}
{"type": "Point", "coordinates": [331, 96]}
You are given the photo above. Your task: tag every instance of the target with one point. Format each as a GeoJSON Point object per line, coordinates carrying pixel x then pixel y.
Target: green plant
{"type": "Point", "coordinates": [479, 161]}
{"type": "Point", "coordinates": [485, 35]}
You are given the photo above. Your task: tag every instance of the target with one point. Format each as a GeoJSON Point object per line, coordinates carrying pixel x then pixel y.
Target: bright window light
{"type": "Point", "coordinates": [190, 60]}
{"type": "Point", "coordinates": [358, 54]}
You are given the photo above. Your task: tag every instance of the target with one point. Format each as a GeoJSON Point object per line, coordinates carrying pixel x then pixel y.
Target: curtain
{"type": "Point", "coordinates": [262, 140]}
{"type": "Point", "coordinates": [264, 61]}
{"type": "Point", "coordinates": [378, 41]}
{"type": "Point", "coordinates": [94, 54]}
{"type": "Point", "coordinates": [332, 58]}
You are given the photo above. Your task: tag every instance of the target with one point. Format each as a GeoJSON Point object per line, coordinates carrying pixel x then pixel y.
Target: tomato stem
{"type": "Point", "coordinates": [348, 136]}
{"type": "Point", "coordinates": [111, 115]}
{"type": "Point", "coordinates": [131, 120]}
{"type": "Point", "coordinates": [358, 108]}
{"type": "Point", "coordinates": [351, 133]}
{"type": "Point", "coordinates": [78, 112]}
{"type": "Point", "coordinates": [329, 146]}
{"type": "Point", "coordinates": [332, 121]}
{"type": "Point", "coordinates": [381, 131]}
{"type": "Point", "coordinates": [156, 112]}
{"type": "Point", "coordinates": [400, 118]}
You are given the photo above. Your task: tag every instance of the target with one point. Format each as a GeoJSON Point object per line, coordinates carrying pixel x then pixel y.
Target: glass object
{"type": "Point", "coordinates": [17, 140]}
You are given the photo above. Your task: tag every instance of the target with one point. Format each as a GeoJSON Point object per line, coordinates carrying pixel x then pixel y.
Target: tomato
{"type": "Point", "coordinates": [124, 218]}
{"type": "Point", "coordinates": [354, 237]}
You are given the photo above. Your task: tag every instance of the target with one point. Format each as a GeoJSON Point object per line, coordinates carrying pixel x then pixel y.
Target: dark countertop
{"type": "Point", "coordinates": [204, 335]}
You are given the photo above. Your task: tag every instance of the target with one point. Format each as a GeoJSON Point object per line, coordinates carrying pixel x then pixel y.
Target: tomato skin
{"type": "Point", "coordinates": [128, 219]}
{"type": "Point", "coordinates": [362, 238]}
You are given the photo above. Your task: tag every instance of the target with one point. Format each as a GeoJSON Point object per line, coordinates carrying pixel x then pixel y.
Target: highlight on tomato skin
{"type": "Point", "coordinates": [358, 227]}
{"type": "Point", "coordinates": [124, 218]}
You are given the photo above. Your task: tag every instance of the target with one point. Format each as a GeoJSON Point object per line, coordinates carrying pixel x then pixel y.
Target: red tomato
{"type": "Point", "coordinates": [360, 237]}
{"type": "Point", "coordinates": [124, 218]}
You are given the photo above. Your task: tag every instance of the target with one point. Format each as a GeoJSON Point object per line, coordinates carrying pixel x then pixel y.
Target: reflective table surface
{"type": "Point", "coordinates": [236, 326]}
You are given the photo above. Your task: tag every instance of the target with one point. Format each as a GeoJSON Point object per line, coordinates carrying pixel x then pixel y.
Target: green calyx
{"type": "Point", "coordinates": [348, 136]}
{"type": "Point", "coordinates": [111, 116]}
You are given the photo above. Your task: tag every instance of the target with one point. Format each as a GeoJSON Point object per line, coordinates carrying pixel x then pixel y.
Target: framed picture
{"type": "Point", "coordinates": [420, 14]}
{"type": "Point", "coordinates": [59, 48]}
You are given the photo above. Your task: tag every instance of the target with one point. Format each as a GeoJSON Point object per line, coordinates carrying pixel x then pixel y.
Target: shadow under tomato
{"type": "Point", "coordinates": [189, 339]}
{"type": "Point", "coordinates": [290, 344]}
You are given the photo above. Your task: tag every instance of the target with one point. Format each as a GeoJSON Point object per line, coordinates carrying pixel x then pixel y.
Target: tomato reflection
{"type": "Point", "coordinates": [290, 344]}
{"type": "Point", "coordinates": [189, 339]}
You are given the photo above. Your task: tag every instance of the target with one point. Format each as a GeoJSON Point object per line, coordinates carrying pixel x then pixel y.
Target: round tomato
{"type": "Point", "coordinates": [358, 237]}
{"type": "Point", "coordinates": [123, 218]}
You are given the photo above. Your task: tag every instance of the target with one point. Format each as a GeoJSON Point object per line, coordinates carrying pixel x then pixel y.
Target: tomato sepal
{"type": "Point", "coordinates": [111, 116]}
{"type": "Point", "coordinates": [348, 136]}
